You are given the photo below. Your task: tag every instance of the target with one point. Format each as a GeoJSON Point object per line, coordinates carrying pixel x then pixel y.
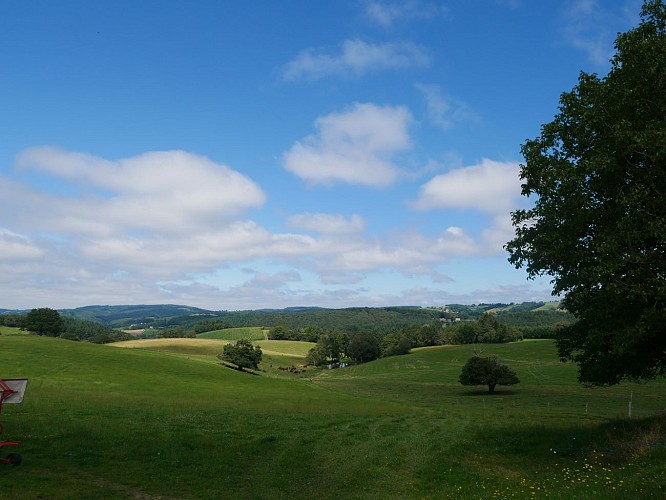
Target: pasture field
{"type": "Point", "coordinates": [241, 333]}
{"type": "Point", "coordinates": [11, 330]}
{"type": "Point", "coordinates": [167, 421]}
{"type": "Point", "coordinates": [276, 353]}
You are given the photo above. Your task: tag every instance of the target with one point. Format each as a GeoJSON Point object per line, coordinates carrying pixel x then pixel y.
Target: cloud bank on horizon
{"type": "Point", "coordinates": [359, 153]}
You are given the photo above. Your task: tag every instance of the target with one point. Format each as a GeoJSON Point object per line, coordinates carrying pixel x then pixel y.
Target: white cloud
{"type": "Point", "coordinates": [456, 242]}
{"type": "Point", "coordinates": [444, 112]}
{"type": "Point", "coordinates": [490, 187]}
{"type": "Point", "coordinates": [326, 223]}
{"type": "Point", "coordinates": [14, 246]}
{"type": "Point", "coordinates": [386, 14]}
{"type": "Point", "coordinates": [155, 191]}
{"type": "Point", "coordinates": [353, 147]}
{"type": "Point", "coordinates": [497, 235]}
{"type": "Point", "coordinates": [83, 246]}
{"type": "Point", "coordinates": [355, 58]}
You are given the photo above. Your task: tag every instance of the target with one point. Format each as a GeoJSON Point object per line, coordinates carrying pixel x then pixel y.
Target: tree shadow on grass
{"type": "Point", "coordinates": [236, 369]}
{"type": "Point", "coordinates": [613, 442]}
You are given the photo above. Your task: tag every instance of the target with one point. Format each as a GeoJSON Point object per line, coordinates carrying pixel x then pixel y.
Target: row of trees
{"type": "Point", "coordinates": [50, 323]}
{"type": "Point", "coordinates": [332, 347]}
{"type": "Point", "coordinates": [487, 330]}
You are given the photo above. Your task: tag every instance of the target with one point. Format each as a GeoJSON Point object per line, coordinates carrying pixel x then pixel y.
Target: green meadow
{"type": "Point", "coordinates": [164, 419]}
{"type": "Point", "coordinates": [240, 333]}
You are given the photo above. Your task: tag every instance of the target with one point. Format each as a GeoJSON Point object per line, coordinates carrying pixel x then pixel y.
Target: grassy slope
{"type": "Point", "coordinates": [244, 333]}
{"type": "Point", "coordinates": [120, 423]}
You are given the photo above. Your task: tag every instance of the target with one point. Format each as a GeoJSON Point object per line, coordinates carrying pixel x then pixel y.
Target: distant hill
{"type": "Point", "coordinates": [378, 320]}
{"type": "Point", "coordinates": [374, 319]}
{"type": "Point", "coordinates": [139, 316]}
{"type": "Point", "coordinates": [13, 311]}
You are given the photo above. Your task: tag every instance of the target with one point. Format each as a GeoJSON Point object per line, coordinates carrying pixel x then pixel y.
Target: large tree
{"type": "Point", "coordinates": [242, 354]}
{"type": "Point", "coordinates": [597, 173]}
{"type": "Point", "coordinates": [44, 321]}
{"type": "Point", "coordinates": [488, 371]}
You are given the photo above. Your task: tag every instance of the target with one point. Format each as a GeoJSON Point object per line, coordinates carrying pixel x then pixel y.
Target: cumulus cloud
{"type": "Point", "coordinates": [326, 223]}
{"type": "Point", "coordinates": [125, 231]}
{"type": "Point", "coordinates": [354, 147]}
{"type": "Point", "coordinates": [155, 191]}
{"type": "Point", "coordinates": [355, 58]}
{"type": "Point", "coordinates": [156, 216]}
{"type": "Point", "coordinates": [386, 14]}
{"type": "Point", "coordinates": [490, 187]}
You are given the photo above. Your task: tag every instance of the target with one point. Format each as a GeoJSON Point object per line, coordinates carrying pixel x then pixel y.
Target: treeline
{"type": "Point", "coordinates": [50, 323]}
{"type": "Point", "coordinates": [414, 326]}
{"type": "Point", "coordinates": [361, 347]}
{"type": "Point", "coordinates": [376, 320]}
{"type": "Point", "coordinates": [537, 324]}
{"type": "Point", "coordinates": [486, 330]}
{"type": "Point", "coordinates": [335, 346]}
{"type": "Point", "coordinates": [91, 331]}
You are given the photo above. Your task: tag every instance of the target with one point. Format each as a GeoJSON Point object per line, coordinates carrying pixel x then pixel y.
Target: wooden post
{"type": "Point", "coordinates": [631, 398]}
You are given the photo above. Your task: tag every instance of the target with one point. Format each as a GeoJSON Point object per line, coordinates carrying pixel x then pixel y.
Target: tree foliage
{"type": "Point", "coordinates": [598, 226]}
{"type": "Point", "coordinates": [395, 344]}
{"type": "Point", "coordinates": [487, 330]}
{"type": "Point", "coordinates": [242, 354]}
{"type": "Point", "coordinates": [488, 371]}
{"type": "Point", "coordinates": [91, 331]}
{"type": "Point", "coordinates": [363, 347]}
{"type": "Point", "coordinates": [330, 348]}
{"type": "Point", "coordinates": [44, 321]}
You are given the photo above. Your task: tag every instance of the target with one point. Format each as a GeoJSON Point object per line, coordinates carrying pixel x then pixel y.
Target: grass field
{"type": "Point", "coordinates": [243, 333]}
{"type": "Point", "coordinates": [165, 420]}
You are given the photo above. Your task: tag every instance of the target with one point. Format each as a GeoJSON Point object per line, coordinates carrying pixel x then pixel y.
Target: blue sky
{"type": "Point", "coordinates": [242, 155]}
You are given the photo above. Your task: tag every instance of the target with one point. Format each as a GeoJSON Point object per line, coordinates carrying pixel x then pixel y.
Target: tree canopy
{"type": "Point", "coordinates": [488, 371]}
{"type": "Point", "coordinates": [597, 173]}
{"type": "Point", "coordinates": [242, 354]}
{"type": "Point", "coordinates": [487, 330]}
{"type": "Point", "coordinates": [44, 321]}
{"type": "Point", "coordinates": [363, 347]}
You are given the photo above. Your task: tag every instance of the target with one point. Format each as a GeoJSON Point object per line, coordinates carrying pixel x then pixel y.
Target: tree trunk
{"type": "Point", "coordinates": [491, 387]}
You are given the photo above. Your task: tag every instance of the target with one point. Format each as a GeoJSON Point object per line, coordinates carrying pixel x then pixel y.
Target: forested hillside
{"type": "Point", "coordinates": [533, 319]}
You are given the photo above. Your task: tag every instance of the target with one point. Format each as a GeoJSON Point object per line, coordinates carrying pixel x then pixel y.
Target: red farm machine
{"type": "Point", "coordinates": [11, 391]}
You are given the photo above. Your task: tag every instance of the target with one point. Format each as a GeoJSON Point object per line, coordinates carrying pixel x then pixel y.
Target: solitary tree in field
{"type": "Point", "coordinates": [242, 354]}
{"type": "Point", "coordinates": [488, 371]}
{"type": "Point", "coordinates": [597, 174]}
{"type": "Point", "coordinates": [44, 321]}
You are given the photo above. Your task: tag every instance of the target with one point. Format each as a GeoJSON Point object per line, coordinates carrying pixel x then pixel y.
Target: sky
{"type": "Point", "coordinates": [237, 155]}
